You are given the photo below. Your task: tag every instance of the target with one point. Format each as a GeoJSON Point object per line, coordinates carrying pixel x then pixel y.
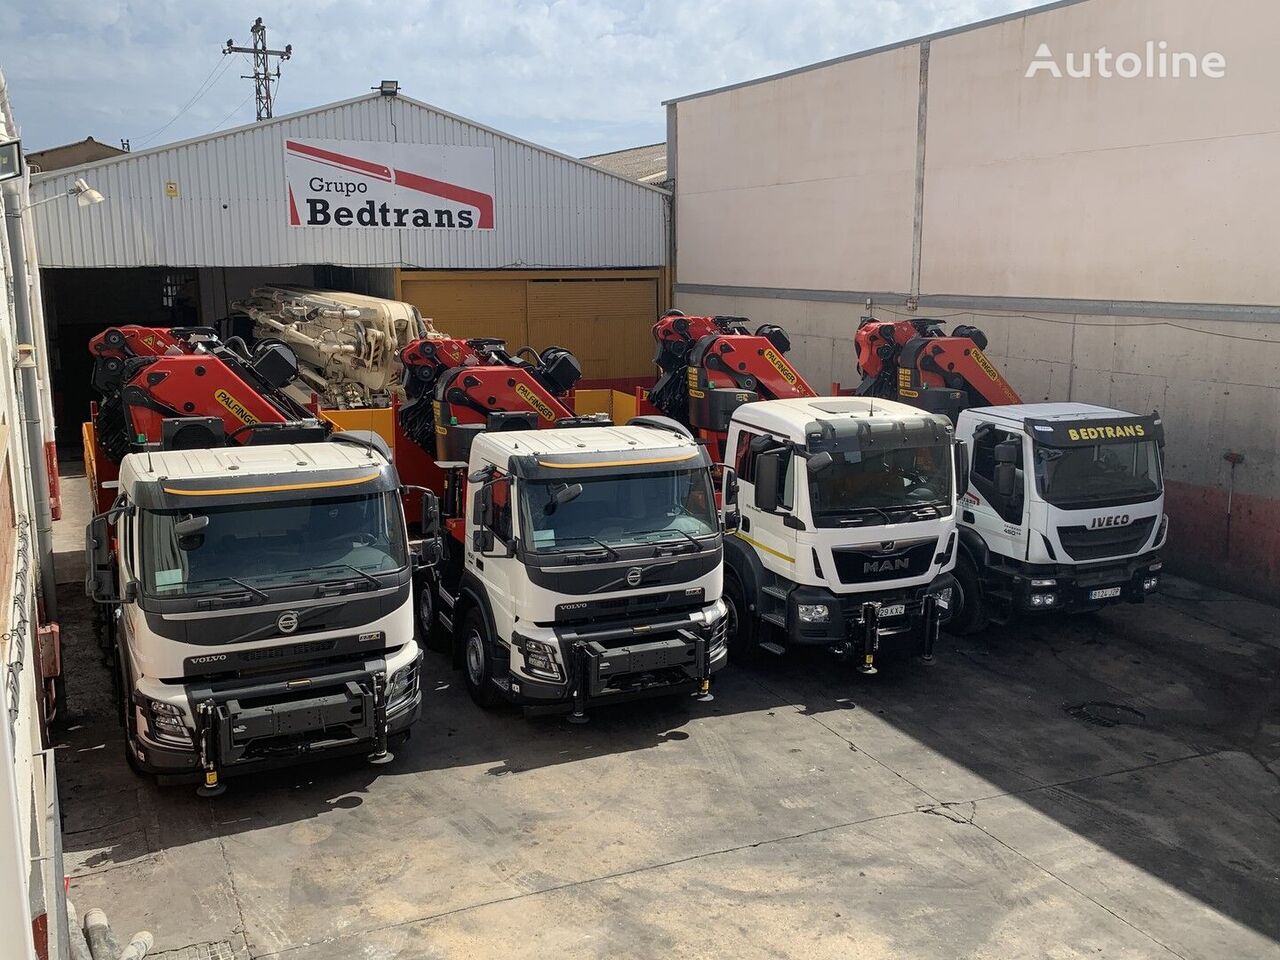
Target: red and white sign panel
{"type": "Point", "coordinates": [411, 186]}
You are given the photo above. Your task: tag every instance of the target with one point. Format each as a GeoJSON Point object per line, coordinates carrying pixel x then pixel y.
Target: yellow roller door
{"type": "Point", "coordinates": [472, 308]}
{"type": "Point", "coordinates": [605, 320]}
{"type": "Point", "coordinates": [605, 323]}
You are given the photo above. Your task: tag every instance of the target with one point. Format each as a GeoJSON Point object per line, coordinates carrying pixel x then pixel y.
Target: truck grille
{"type": "Point", "coordinates": [870, 565]}
{"type": "Point", "coordinates": [1082, 543]}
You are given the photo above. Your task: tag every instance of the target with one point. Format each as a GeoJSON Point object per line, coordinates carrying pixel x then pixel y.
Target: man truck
{"type": "Point", "coordinates": [848, 506]}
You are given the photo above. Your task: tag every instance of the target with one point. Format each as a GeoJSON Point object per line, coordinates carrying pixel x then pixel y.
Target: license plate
{"type": "Point", "coordinates": [1106, 593]}
{"type": "Point", "coordinates": [893, 610]}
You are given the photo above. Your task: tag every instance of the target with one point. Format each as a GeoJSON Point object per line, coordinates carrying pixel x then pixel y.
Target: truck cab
{"type": "Point", "coordinates": [590, 567]}
{"type": "Point", "coordinates": [1064, 510]}
{"type": "Point", "coordinates": [261, 604]}
{"type": "Point", "coordinates": [848, 527]}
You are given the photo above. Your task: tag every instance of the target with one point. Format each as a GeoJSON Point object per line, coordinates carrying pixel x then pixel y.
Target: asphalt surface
{"type": "Point", "coordinates": [1103, 786]}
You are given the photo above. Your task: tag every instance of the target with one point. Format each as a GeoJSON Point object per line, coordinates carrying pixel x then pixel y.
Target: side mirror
{"type": "Point", "coordinates": [190, 526]}
{"type": "Point", "coordinates": [730, 518]}
{"type": "Point", "coordinates": [728, 487]}
{"type": "Point", "coordinates": [100, 575]}
{"type": "Point", "coordinates": [484, 506]}
{"type": "Point", "coordinates": [819, 462]}
{"type": "Point", "coordinates": [565, 493]}
{"type": "Point", "coordinates": [1006, 451]}
{"type": "Point", "coordinates": [1006, 480]}
{"type": "Point", "coordinates": [962, 467]}
{"type": "Point", "coordinates": [768, 475]}
{"type": "Point", "coordinates": [430, 513]}
{"type": "Point", "coordinates": [482, 540]}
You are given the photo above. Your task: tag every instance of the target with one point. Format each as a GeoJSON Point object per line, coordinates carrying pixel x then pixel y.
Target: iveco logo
{"type": "Point", "coordinates": [288, 621]}
{"type": "Point", "coordinates": [634, 575]}
{"type": "Point", "coordinates": [884, 566]}
{"type": "Point", "coordinates": [1119, 520]}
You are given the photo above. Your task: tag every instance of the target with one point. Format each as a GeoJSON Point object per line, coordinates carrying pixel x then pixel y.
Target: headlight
{"type": "Point", "coordinates": [1043, 600]}
{"type": "Point", "coordinates": [1150, 583]}
{"type": "Point", "coordinates": [540, 660]}
{"type": "Point", "coordinates": [167, 722]}
{"type": "Point", "coordinates": [944, 598]}
{"type": "Point", "coordinates": [402, 686]}
{"type": "Point", "coordinates": [1044, 583]}
{"type": "Point", "coordinates": [813, 612]}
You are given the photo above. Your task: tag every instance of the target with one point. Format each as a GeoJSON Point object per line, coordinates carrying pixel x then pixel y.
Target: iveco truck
{"type": "Point", "coordinates": [589, 567]}
{"type": "Point", "coordinates": [1064, 510]}
{"type": "Point", "coordinates": [261, 604]}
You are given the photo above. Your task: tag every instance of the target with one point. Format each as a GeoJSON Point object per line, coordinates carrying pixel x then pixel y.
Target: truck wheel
{"type": "Point", "coordinates": [477, 662]}
{"type": "Point", "coordinates": [425, 611]}
{"type": "Point", "coordinates": [968, 613]}
{"type": "Point", "coordinates": [743, 629]}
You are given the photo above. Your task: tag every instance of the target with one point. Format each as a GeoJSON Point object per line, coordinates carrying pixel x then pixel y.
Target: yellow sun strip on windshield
{"type": "Point", "coordinates": [617, 463]}
{"type": "Point", "coordinates": [224, 491]}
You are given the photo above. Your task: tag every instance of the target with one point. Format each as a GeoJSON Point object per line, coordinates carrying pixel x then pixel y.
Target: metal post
{"type": "Point", "coordinates": [380, 753]}
{"type": "Point", "coordinates": [578, 673]}
{"type": "Point", "coordinates": [32, 428]}
{"type": "Point", "coordinates": [207, 724]}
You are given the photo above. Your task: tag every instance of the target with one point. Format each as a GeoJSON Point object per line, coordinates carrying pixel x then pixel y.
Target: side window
{"type": "Point", "coordinates": [744, 459]}
{"type": "Point", "coordinates": [787, 496]}
{"type": "Point", "coordinates": [983, 470]}
{"type": "Point", "coordinates": [501, 525]}
{"type": "Point", "coordinates": [125, 532]}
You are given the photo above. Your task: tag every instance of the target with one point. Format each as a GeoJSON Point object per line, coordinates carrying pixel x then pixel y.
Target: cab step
{"type": "Point", "coordinates": [776, 592]}
{"type": "Point", "coordinates": [775, 648]}
{"type": "Point", "coordinates": [777, 619]}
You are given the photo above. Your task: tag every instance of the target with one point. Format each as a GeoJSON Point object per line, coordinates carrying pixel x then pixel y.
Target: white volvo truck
{"type": "Point", "coordinates": [1064, 511]}
{"type": "Point", "coordinates": [848, 525]}
{"type": "Point", "coordinates": [261, 605]}
{"type": "Point", "coordinates": [588, 567]}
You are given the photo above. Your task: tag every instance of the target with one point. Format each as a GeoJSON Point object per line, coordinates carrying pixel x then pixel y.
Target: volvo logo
{"type": "Point", "coordinates": [634, 576]}
{"type": "Point", "coordinates": [288, 621]}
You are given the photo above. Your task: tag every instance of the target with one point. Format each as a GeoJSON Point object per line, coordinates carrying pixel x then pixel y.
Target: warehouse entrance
{"type": "Point", "coordinates": [603, 316]}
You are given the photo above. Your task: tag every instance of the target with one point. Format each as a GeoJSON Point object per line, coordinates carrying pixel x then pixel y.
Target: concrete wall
{"type": "Point", "coordinates": [1114, 237]}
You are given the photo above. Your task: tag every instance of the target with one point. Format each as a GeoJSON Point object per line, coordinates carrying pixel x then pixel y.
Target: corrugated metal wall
{"type": "Point", "coordinates": [231, 209]}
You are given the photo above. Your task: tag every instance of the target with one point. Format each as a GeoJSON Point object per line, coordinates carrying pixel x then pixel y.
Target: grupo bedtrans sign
{"type": "Point", "coordinates": [412, 186]}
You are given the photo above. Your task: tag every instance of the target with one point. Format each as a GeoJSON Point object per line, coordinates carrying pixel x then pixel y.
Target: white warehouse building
{"type": "Point", "coordinates": [1113, 234]}
{"type": "Point", "coordinates": [485, 233]}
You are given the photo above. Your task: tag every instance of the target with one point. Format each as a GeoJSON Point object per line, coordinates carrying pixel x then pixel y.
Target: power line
{"type": "Point", "coordinates": [234, 111]}
{"type": "Point", "coordinates": [206, 85]}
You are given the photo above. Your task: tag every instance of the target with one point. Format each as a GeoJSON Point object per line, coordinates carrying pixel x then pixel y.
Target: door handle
{"type": "Point", "coordinates": [745, 525]}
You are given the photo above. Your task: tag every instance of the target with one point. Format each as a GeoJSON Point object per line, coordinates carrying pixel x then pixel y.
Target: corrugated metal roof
{"type": "Point", "coordinates": [647, 164]}
{"type": "Point", "coordinates": [552, 210]}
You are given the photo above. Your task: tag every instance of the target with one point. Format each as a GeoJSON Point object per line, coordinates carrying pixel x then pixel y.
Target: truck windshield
{"type": "Point", "coordinates": [619, 511]}
{"type": "Point", "coordinates": [272, 543]}
{"type": "Point", "coordinates": [1104, 473]}
{"type": "Point", "coordinates": [859, 482]}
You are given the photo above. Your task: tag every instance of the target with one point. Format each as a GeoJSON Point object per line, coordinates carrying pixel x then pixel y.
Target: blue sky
{"type": "Point", "coordinates": [582, 76]}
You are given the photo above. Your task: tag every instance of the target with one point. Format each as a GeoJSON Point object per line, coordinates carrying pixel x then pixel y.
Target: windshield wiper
{"type": "Point", "coordinates": [696, 544]}
{"type": "Point", "coordinates": [883, 513]}
{"type": "Point", "coordinates": [237, 581]}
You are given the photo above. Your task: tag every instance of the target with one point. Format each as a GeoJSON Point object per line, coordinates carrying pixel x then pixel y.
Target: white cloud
{"type": "Point", "coordinates": [582, 76]}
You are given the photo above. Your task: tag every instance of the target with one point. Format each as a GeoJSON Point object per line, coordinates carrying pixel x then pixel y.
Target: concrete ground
{"type": "Point", "coordinates": [1105, 786]}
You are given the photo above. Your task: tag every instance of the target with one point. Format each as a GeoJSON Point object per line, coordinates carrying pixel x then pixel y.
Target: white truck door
{"type": "Point", "coordinates": [491, 563]}
{"type": "Point", "coordinates": [767, 532]}
{"type": "Point", "coordinates": [1001, 521]}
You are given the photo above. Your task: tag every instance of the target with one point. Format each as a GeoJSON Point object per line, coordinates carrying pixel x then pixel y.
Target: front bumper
{"type": "Point", "coordinates": [1086, 586]}
{"type": "Point", "coordinates": [850, 613]}
{"type": "Point", "coordinates": [239, 726]}
{"type": "Point", "coordinates": [615, 662]}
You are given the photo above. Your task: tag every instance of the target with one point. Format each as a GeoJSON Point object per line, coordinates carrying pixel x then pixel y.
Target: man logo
{"type": "Point", "coordinates": [886, 546]}
{"type": "Point", "coordinates": [634, 576]}
{"type": "Point", "coordinates": [288, 621]}
{"type": "Point", "coordinates": [886, 566]}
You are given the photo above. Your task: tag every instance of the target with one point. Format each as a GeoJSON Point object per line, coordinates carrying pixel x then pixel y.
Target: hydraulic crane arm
{"type": "Point", "coordinates": [915, 362]}
{"type": "Point", "coordinates": [712, 365]}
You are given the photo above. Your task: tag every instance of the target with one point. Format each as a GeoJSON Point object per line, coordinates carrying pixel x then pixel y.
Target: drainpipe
{"type": "Point", "coordinates": [32, 426]}
{"type": "Point", "coordinates": [1235, 459]}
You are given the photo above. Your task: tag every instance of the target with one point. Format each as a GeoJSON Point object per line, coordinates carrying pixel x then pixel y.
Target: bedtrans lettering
{"type": "Point", "coordinates": [322, 213]}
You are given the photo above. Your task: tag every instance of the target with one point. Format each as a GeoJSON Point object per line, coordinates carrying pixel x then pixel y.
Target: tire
{"type": "Point", "coordinates": [477, 660]}
{"type": "Point", "coordinates": [424, 611]}
{"type": "Point", "coordinates": [968, 614]}
{"type": "Point", "coordinates": [743, 630]}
